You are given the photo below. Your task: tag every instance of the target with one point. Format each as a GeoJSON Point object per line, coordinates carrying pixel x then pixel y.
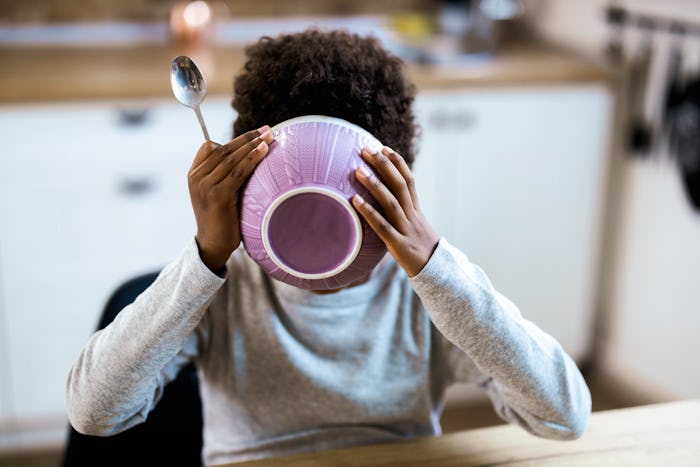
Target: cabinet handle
{"type": "Point", "coordinates": [136, 186]}
{"type": "Point", "coordinates": [454, 120]}
{"type": "Point", "coordinates": [133, 116]}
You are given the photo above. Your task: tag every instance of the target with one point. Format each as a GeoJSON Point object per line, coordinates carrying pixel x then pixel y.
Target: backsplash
{"type": "Point", "coordinates": [55, 11]}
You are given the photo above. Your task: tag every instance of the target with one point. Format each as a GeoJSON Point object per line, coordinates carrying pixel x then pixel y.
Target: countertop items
{"type": "Point", "coordinates": [661, 434]}
{"type": "Point", "coordinates": [40, 74]}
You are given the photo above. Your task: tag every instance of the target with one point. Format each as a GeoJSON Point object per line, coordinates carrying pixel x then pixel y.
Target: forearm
{"type": "Point", "coordinates": [535, 381]}
{"type": "Point", "coordinates": [119, 374]}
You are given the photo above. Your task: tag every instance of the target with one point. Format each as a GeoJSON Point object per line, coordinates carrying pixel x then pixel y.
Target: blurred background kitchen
{"type": "Point", "coordinates": [575, 124]}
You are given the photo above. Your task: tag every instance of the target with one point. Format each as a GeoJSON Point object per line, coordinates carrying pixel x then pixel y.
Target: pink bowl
{"type": "Point", "coordinates": [297, 221]}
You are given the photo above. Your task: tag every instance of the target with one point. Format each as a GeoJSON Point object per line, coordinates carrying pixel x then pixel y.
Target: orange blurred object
{"type": "Point", "coordinates": [189, 21]}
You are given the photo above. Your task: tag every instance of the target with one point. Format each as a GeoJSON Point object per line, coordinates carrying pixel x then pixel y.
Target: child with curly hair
{"type": "Point", "coordinates": [284, 370]}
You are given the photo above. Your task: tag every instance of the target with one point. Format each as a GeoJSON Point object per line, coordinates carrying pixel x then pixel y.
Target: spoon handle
{"type": "Point", "coordinates": [201, 122]}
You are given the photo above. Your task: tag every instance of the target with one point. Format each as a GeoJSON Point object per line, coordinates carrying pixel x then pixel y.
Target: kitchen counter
{"type": "Point", "coordinates": [40, 74]}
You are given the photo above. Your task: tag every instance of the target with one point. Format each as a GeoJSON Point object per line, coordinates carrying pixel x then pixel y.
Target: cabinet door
{"type": "Point", "coordinates": [515, 179]}
{"type": "Point", "coordinates": [86, 202]}
{"type": "Point", "coordinates": [47, 187]}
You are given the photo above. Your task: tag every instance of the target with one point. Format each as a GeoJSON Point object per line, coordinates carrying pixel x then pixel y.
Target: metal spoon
{"type": "Point", "coordinates": [189, 86]}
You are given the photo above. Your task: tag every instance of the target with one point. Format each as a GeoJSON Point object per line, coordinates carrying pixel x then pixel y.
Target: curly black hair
{"type": "Point", "coordinates": [333, 73]}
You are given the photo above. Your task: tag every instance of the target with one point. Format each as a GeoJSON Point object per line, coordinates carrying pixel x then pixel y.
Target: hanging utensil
{"type": "Point", "coordinates": [686, 130]}
{"type": "Point", "coordinates": [640, 131]}
{"type": "Point", "coordinates": [674, 89]}
{"type": "Point", "coordinates": [683, 114]}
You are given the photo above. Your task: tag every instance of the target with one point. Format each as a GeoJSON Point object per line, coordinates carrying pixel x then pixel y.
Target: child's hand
{"type": "Point", "coordinates": [404, 229]}
{"type": "Point", "coordinates": [216, 175]}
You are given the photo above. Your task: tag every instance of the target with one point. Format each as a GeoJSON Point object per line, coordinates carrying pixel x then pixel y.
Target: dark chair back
{"type": "Point", "coordinates": [172, 434]}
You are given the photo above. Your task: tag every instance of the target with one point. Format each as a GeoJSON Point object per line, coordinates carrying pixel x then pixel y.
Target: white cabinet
{"type": "Point", "coordinates": [515, 178]}
{"type": "Point", "coordinates": [86, 202]}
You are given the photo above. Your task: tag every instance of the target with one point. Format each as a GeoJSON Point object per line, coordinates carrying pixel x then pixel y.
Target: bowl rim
{"type": "Point", "coordinates": [269, 249]}
{"type": "Point", "coordinates": [318, 118]}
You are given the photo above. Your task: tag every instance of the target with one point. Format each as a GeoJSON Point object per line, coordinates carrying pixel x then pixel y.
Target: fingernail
{"type": "Point", "coordinates": [364, 172]}
{"type": "Point", "coordinates": [266, 134]}
{"type": "Point", "coordinates": [360, 200]}
{"type": "Point", "coordinates": [261, 145]}
{"type": "Point", "coordinates": [263, 129]}
{"type": "Point", "coordinates": [388, 149]}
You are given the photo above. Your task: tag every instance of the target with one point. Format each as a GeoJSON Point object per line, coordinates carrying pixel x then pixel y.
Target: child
{"type": "Point", "coordinates": [284, 370]}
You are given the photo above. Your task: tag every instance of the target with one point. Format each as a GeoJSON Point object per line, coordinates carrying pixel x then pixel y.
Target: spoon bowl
{"type": "Point", "coordinates": [189, 86]}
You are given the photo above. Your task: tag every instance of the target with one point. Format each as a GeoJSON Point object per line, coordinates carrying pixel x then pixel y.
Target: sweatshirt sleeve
{"type": "Point", "coordinates": [119, 375]}
{"type": "Point", "coordinates": [530, 378]}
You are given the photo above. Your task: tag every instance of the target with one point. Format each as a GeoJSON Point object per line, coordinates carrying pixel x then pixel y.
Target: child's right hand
{"type": "Point", "coordinates": [214, 181]}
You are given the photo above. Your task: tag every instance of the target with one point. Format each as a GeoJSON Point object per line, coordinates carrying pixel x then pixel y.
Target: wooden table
{"type": "Point", "coordinates": [655, 435]}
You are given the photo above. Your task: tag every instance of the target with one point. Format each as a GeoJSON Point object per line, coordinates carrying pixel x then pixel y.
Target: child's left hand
{"type": "Point", "coordinates": [404, 229]}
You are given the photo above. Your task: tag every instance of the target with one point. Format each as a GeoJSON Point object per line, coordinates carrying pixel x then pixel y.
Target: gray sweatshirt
{"type": "Point", "coordinates": [283, 370]}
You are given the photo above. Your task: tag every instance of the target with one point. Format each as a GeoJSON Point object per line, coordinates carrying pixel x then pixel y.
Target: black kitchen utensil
{"type": "Point", "coordinates": [640, 131]}
{"type": "Point", "coordinates": [685, 121]}
{"type": "Point", "coordinates": [676, 83]}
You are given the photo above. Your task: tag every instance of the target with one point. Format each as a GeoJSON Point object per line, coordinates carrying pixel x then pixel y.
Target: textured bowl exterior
{"type": "Point", "coordinates": [318, 152]}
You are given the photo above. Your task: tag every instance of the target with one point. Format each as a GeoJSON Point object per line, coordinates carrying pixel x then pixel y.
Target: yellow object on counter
{"type": "Point", "coordinates": [412, 26]}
